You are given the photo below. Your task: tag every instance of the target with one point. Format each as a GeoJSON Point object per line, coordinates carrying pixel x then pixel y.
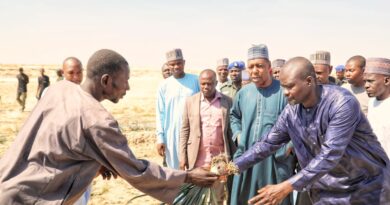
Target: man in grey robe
{"type": "Point", "coordinates": [66, 140]}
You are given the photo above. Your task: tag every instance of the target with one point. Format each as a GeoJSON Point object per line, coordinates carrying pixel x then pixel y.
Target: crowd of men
{"type": "Point", "coordinates": [312, 149]}
{"type": "Point", "coordinates": [286, 125]}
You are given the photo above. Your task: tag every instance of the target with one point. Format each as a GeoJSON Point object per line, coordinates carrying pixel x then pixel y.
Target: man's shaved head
{"type": "Point", "coordinates": [74, 59]}
{"type": "Point", "coordinates": [298, 79]}
{"type": "Point", "coordinates": [166, 71]}
{"type": "Point", "coordinates": [72, 70]}
{"type": "Point", "coordinates": [354, 69]}
{"type": "Point", "coordinates": [208, 72]}
{"type": "Point", "coordinates": [360, 60]}
{"type": "Point", "coordinates": [299, 67]}
{"type": "Point", "coordinates": [105, 61]}
{"type": "Point", "coordinates": [108, 76]}
{"type": "Point", "coordinates": [208, 83]}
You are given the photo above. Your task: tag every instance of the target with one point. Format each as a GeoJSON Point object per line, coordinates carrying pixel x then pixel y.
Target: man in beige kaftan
{"type": "Point", "coordinates": [66, 140]}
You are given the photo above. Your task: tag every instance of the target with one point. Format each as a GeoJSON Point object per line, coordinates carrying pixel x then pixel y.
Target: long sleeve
{"type": "Point", "coordinates": [268, 144]}
{"type": "Point", "coordinates": [280, 155]}
{"type": "Point", "coordinates": [106, 144]}
{"type": "Point", "coordinates": [336, 139]}
{"type": "Point", "coordinates": [160, 116]}
{"type": "Point", "coordinates": [184, 135]}
{"type": "Point", "coordinates": [235, 117]}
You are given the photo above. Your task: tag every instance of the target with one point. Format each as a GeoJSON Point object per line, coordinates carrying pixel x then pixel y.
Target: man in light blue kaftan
{"type": "Point", "coordinates": [256, 108]}
{"type": "Point", "coordinates": [171, 97]}
{"type": "Point", "coordinates": [342, 161]}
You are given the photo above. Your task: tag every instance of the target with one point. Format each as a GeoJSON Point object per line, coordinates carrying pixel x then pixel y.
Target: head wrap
{"type": "Point", "coordinates": [174, 54]}
{"type": "Point", "coordinates": [237, 64]}
{"type": "Point", "coordinates": [340, 68]}
{"type": "Point", "coordinates": [223, 62]}
{"type": "Point", "coordinates": [278, 63]}
{"type": "Point", "coordinates": [258, 51]}
{"type": "Point", "coordinates": [378, 66]}
{"type": "Point", "coordinates": [320, 57]}
{"type": "Point", "coordinates": [245, 75]}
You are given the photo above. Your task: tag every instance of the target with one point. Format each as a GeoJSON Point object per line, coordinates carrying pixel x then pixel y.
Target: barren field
{"type": "Point", "coordinates": [135, 114]}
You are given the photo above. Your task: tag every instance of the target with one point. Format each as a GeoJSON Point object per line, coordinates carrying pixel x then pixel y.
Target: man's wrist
{"type": "Point", "coordinates": [288, 187]}
{"type": "Point", "coordinates": [188, 177]}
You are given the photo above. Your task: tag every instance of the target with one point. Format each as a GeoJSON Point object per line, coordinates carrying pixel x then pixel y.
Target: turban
{"type": "Point", "coordinates": [340, 68]}
{"type": "Point", "coordinates": [223, 62]}
{"type": "Point", "coordinates": [278, 63]}
{"type": "Point", "coordinates": [378, 66]}
{"type": "Point", "coordinates": [320, 57]}
{"type": "Point", "coordinates": [237, 64]}
{"type": "Point", "coordinates": [174, 54]}
{"type": "Point", "coordinates": [258, 51]}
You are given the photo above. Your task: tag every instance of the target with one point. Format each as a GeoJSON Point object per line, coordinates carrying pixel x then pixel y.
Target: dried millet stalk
{"type": "Point", "coordinates": [220, 164]}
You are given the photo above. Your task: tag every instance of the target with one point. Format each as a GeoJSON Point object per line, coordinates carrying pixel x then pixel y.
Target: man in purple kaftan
{"type": "Point", "coordinates": [342, 161]}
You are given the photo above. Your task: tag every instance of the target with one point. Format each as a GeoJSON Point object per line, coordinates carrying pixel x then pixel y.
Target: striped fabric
{"type": "Point", "coordinates": [174, 54]}
{"type": "Point", "coordinates": [378, 66]}
{"type": "Point", "coordinates": [223, 62]}
{"type": "Point", "coordinates": [278, 63]}
{"type": "Point", "coordinates": [258, 51]}
{"type": "Point", "coordinates": [320, 57]}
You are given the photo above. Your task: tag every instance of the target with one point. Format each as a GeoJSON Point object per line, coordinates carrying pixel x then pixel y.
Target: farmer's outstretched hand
{"type": "Point", "coordinates": [201, 177]}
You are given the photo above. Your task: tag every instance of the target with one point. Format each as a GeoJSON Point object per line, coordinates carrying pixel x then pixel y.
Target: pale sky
{"type": "Point", "coordinates": [46, 32]}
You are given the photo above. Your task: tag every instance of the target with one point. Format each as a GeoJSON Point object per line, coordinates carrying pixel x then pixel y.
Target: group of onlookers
{"type": "Point", "coordinates": [222, 113]}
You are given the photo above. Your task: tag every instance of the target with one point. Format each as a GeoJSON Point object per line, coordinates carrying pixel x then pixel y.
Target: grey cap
{"type": "Point", "coordinates": [174, 54]}
{"type": "Point", "coordinates": [223, 62]}
{"type": "Point", "coordinates": [320, 57]}
{"type": "Point", "coordinates": [278, 63]}
{"type": "Point", "coordinates": [258, 51]}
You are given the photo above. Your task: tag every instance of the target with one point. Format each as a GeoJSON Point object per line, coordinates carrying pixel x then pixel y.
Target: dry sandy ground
{"type": "Point", "coordinates": [135, 113]}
